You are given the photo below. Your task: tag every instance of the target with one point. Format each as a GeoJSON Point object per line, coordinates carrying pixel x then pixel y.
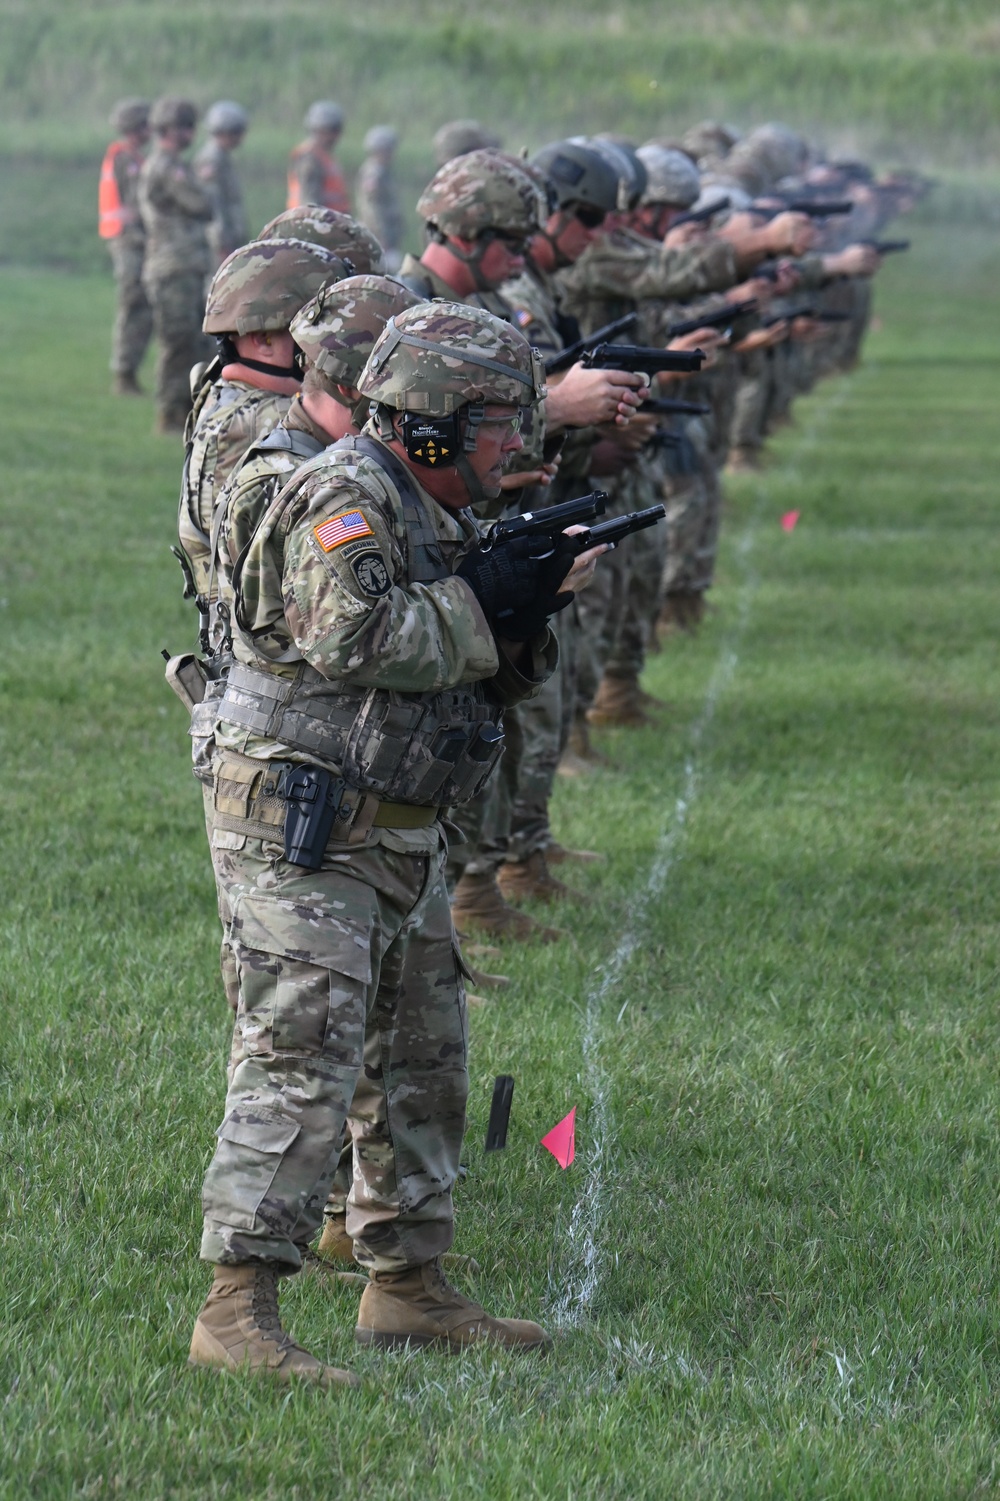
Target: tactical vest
{"type": "Point", "coordinates": [427, 749]}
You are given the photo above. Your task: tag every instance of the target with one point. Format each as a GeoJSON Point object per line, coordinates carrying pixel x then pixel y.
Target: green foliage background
{"type": "Point", "coordinates": [907, 80]}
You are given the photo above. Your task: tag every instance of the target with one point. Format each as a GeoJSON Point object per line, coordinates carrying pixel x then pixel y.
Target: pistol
{"type": "Point", "coordinates": [574, 352]}
{"type": "Point", "coordinates": [550, 522]}
{"type": "Point", "coordinates": [718, 319]}
{"type": "Point", "coordinates": [642, 360]}
{"type": "Point", "coordinates": [612, 532]}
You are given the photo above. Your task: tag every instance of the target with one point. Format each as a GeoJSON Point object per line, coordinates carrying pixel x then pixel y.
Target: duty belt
{"type": "Point", "coordinates": [248, 799]}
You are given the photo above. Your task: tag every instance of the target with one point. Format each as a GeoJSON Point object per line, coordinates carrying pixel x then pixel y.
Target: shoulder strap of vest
{"type": "Point", "coordinates": [426, 561]}
{"type": "Point", "coordinates": [289, 440]}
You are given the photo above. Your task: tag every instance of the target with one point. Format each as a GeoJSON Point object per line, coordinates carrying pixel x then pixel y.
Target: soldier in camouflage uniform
{"type": "Point", "coordinates": [314, 175]}
{"type": "Point", "coordinates": [247, 389]}
{"type": "Point", "coordinates": [176, 212]}
{"type": "Point", "coordinates": [335, 332]}
{"type": "Point", "coordinates": [367, 669]}
{"type": "Point", "coordinates": [226, 123]}
{"type": "Point", "coordinates": [120, 227]}
{"type": "Point", "coordinates": [378, 196]}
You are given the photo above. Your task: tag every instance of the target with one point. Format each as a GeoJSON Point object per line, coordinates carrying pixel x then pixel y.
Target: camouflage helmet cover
{"type": "Point", "coordinates": [708, 138]}
{"type": "Point", "coordinates": [337, 328]}
{"type": "Point", "coordinates": [336, 232]}
{"type": "Point", "coordinates": [130, 114]}
{"type": "Point", "coordinates": [261, 286]}
{"type": "Point", "coordinates": [226, 116]}
{"type": "Point", "coordinates": [482, 190]}
{"type": "Point", "coordinates": [672, 177]}
{"type": "Point", "coordinates": [461, 136]}
{"type": "Point", "coordinates": [440, 356]}
{"type": "Point", "coordinates": [171, 112]}
{"type": "Point", "coordinates": [579, 174]}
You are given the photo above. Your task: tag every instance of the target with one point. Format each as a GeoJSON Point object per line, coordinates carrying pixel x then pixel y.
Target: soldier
{"type": "Point", "coordinates": [369, 674]}
{"type": "Point", "coordinates": [378, 197]}
{"type": "Point", "coordinates": [176, 211]}
{"type": "Point", "coordinates": [314, 175]}
{"type": "Point", "coordinates": [337, 232]}
{"type": "Point", "coordinates": [120, 227]}
{"type": "Point", "coordinates": [226, 123]}
{"type": "Point", "coordinates": [459, 137]}
{"type": "Point", "coordinates": [248, 387]}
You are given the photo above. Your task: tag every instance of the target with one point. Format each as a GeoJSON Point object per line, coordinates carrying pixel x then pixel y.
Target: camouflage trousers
{"type": "Point", "coordinates": [509, 820]}
{"type": "Point", "coordinates": [350, 1003]}
{"type": "Point", "coordinates": [752, 396]}
{"type": "Point", "coordinates": [693, 503]}
{"type": "Point", "coordinates": [617, 609]}
{"type": "Point", "coordinates": [133, 325]}
{"type": "Point", "coordinates": [178, 303]}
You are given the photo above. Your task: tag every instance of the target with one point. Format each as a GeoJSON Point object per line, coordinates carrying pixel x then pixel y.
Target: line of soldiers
{"type": "Point", "coordinates": [169, 224]}
{"type": "Point", "coordinates": [396, 651]}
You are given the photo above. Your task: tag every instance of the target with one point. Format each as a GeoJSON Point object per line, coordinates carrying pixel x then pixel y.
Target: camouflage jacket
{"type": "Point", "coordinates": [175, 210]}
{"type": "Point", "coordinates": [620, 269]}
{"type": "Point", "coordinates": [230, 416]}
{"type": "Point", "coordinates": [378, 204]}
{"type": "Point", "coordinates": [216, 170]}
{"type": "Point", "coordinates": [323, 598]}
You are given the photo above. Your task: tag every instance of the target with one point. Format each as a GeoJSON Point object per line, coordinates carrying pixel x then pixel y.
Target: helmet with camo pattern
{"type": "Point", "coordinates": [440, 356]}
{"type": "Point", "coordinates": [261, 286]}
{"type": "Point", "coordinates": [337, 232]}
{"type": "Point", "coordinates": [479, 191]}
{"type": "Point", "coordinates": [337, 328]}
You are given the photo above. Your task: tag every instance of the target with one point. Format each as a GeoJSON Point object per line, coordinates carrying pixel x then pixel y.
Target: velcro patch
{"type": "Point", "coordinates": [346, 527]}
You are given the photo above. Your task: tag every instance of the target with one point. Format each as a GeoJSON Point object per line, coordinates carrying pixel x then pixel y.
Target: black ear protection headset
{"type": "Point", "coordinates": [436, 442]}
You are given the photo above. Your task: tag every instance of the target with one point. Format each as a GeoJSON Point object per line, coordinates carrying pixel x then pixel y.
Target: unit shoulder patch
{"type": "Point", "coordinates": [371, 573]}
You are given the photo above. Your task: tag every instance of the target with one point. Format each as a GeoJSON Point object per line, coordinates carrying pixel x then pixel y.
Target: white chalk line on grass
{"type": "Point", "coordinates": [576, 1265]}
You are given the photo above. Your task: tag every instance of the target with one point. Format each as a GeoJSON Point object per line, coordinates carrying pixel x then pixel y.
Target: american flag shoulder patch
{"type": "Point", "coordinates": [346, 527]}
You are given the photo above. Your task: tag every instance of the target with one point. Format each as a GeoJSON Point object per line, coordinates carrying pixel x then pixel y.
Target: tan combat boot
{"type": "Point", "coordinates": [531, 880]}
{"type": "Point", "coordinates": [239, 1328]}
{"type": "Point", "coordinates": [558, 854]}
{"type": "Point", "coordinates": [478, 906]}
{"type": "Point", "coordinates": [743, 459]}
{"type": "Point", "coordinates": [618, 704]}
{"type": "Point", "coordinates": [337, 1246]}
{"type": "Point", "coordinates": [580, 757]}
{"type": "Point", "coordinates": [420, 1307]}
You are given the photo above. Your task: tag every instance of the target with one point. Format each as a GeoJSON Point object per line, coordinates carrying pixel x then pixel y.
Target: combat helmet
{"type": "Point", "coordinates": [337, 328]}
{"type": "Point", "coordinates": [672, 177]}
{"type": "Point", "coordinates": [171, 112]}
{"type": "Point", "coordinates": [324, 115]}
{"type": "Point", "coordinates": [129, 115]}
{"type": "Point", "coordinates": [381, 138]}
{"type": "Point", "coordinates": [459, 137]}
{"type": "Point", "coordinates": [439, 363]}
{"type": "Point", "coordinates": [480, 191]}
{"type": "Point", "coordinates": [580, 175]}
{"type": "Point", "coordinates": [261, 286]}
{"type": "Point", "coordinates": [624, 160]}
{"type": "Point", "coordinates": [226, 117]}
{"type": "Point", "coordinates": [334, 231]}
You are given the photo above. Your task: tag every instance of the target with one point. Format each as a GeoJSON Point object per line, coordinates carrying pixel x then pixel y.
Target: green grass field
{"type": "Point", "coordinates": [772, 1269]}
{"type": "Point", "coordinates": [912, 81]}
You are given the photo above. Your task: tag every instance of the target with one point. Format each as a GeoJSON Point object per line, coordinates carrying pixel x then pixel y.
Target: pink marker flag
{"type": "Point", "coordinates": [561, 1140]}
{"type": "Point", "coordinates": [789, 519]}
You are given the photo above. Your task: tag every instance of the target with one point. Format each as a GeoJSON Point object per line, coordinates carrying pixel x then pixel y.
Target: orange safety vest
{"type": "Point", "coordinates": [110, 209]}
{"type": "Point", "coordinates": [334, 186]}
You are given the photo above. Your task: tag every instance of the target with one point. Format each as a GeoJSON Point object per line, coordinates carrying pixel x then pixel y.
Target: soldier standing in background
{"type": "Point", "coordinates": [378, 197]}
{"type": "Point", "coordinates": [120, 226]}
{"type": "Point", "coordinates": [226, 123]}
{"type": "Point", "coordinates": [314, 176]}
{"type": "Point", "coordinates": [176, 211]}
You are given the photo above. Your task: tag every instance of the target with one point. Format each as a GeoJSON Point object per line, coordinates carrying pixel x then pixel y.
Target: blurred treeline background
{"type": "Point", "coordinates": [913, 82]}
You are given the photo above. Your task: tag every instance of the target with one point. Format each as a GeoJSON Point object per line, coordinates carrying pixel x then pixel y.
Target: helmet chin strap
{"type": "Point", "coordinates": [471, 258]}
{"type": "Point", "coordinates": [231, 356]}
{"type": "Point", "coordinates": [478, 494]}
{"type": "Point", "coordinates": [553, 240]}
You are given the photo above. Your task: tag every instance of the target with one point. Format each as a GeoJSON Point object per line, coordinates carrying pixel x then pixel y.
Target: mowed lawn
{"type": "Point", "coordinates": [772, 1269]}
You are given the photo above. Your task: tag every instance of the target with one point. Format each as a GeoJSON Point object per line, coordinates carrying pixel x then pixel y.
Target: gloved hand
{"type": "Point", "coordinates": [518, 590]}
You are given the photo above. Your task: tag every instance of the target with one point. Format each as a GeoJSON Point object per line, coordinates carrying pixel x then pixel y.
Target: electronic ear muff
{"type": "Point", "coordinates": [433, 442]}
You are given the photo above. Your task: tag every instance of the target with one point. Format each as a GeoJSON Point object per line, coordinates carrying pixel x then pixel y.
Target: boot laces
{"type": "Point", "coordinates": [265, 1306]}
